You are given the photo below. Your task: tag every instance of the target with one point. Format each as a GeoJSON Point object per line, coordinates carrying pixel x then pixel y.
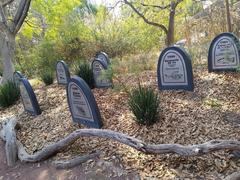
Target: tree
{"type": "Point", "coordinates": [13, 14]}
{"type": "Point", "coordinates": [229, 24]}
{"type": "Point", "coordinates": [171, 6]}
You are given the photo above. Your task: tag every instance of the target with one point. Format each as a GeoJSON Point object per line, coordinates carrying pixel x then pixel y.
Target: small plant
{"type": "Point", "coordinates": [214, 103]}
{"type": "Point", "coordinates": [144, 103]}
{"type": "Point", "coordinates": [47, 77]}
{"type": "Point", "coordinates": [9, 94]}
{"type": "Point", "coordinates": [84, 71]}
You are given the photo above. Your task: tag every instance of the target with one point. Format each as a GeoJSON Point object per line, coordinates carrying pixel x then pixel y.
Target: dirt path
{"type": "Point", "coordinates": [37, 171]}
{"type": "Point", "coordinates": [45, 171]}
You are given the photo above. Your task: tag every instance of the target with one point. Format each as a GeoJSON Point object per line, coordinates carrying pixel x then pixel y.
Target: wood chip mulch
{"type": "Point", "coordinates": [212, 111]}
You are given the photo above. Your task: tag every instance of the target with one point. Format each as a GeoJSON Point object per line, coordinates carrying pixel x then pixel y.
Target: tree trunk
{"type": "Point", "coordinates": [170, 34]}
{"type": "Point", "coordinates": [7, 54]}
{"type": "Point", "coordinates": [229, 24]}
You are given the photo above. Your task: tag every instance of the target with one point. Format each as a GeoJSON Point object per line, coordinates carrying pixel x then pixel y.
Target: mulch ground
{"type": "Point", "coordinates": [210, 112]}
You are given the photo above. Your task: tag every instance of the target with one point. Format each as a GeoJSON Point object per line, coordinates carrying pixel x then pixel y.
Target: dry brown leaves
{"type": "Point", "coordinates": [210, 112]}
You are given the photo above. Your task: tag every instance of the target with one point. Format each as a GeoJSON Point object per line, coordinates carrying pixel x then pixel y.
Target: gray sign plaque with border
{"type": "Point", "coordinates": [175, 70]}
{"type": "Point", "coordinates": [62, 72]}
{"type": "Point", "coordinates": [98, 67]}
{"type": "Point", "coordinates": [224, 53]}
{"type": "Point", "coordinates": [82, 103]}
{"type": "Point", "coordinates": [28, 97]}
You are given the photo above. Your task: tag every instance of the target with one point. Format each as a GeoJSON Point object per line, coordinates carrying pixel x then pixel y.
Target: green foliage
{"type": "Point", "coordinates": [192, 7]}
{"type": "Point", "coordinates": [212, 102]}
{"type": "Point", "coordinates": [83, 70]}
{"type": "Point", "coordinates": [47, 56]}
{"type": "Point", "coordinates": [108, 73]}
{"type": "Point", "coordinates": [9, 94]}
{"type": "Point", "coordinates": [47, 77]}
{"type": "Point", "coordinates": [135, 63]}
{"type": "Point", "coordinates": [144, 103]}
{"type": "Point", "coordinates": [77, 29]}
{"type": "Point", "coordinates": [198, 52]}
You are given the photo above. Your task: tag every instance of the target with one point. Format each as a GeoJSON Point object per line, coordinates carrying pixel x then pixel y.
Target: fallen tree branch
{"type": "Point", "coordinates": [189, 150]}
{"type": "Point", "coordinates": [75, 161]}
{"type": "Point", "coordinates": [8, 134]}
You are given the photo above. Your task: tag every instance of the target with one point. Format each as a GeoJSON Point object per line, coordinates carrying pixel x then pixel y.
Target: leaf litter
{"type": "Point", "coordinates": [210, 112]}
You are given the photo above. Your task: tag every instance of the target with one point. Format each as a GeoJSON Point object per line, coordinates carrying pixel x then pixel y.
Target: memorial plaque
{"type": "Point", "coordinates": [98, 67]}
{"type": "Point", "coordinates": [103, 57]}
{"type": "Point", "coordinates": [175, 70]}
{"type": "Point", "coordinates": [82, 103]}
{"type": "Point", "coordinates": [63, 74]}
{"type": "Point", "coordinates": [29, 98]}
{"type": "Point", "coordinates": [223, 53]}
{"type": "Point", "coordinates": [16, 77]}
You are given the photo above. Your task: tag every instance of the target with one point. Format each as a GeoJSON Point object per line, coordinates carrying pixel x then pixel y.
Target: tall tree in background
{"type": "Point", "coordinates": [13, 14]}
{"type": "Point", "coordinates": [171, 6]}
{"type": "Point", "coordinates": [229, 24]}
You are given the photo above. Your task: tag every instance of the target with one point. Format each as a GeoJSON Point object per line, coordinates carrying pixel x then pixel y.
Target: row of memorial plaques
{"type": "Point", "coordinates": [175, 68]}
{"type": "Point", "coordinates": [82, 104]}
{"type": "Point", "coordinates": [81, 101]}
{"type": "Point", "coordinates": [100, 65]}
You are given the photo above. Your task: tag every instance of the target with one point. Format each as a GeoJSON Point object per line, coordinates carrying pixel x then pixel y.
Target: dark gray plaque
{"type": "Point", "coordinates": [29, 98]}
{"type": "Point", "coordinates": [82, 103]}
{"type": "Point", "coordinates": [62, 71]}
{"type": "Point", "coordinates": [98, 67]}
{"type": "Point", "coordinates": [223, 53]}
{"type": "Point", "coordinates": [103, 56]}
{"type": "Point", "coordinates": [175, 70]}
{"type": "Point", "coordinates": [16, 77]}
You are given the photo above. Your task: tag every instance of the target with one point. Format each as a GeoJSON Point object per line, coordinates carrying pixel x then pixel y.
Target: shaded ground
{"type": "Point", "coordinates": [38, 171]}
{"type": "Point", "coordinates": [99, 170]}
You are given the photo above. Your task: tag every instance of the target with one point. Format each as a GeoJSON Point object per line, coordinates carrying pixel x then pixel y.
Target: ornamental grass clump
{"type": "Point", "coordinates": [9, 94]}
{"type": "Point", "coordinates": [47, 77]}
{"type": "Point", "coordinates": [84, 71]}
{"type": "Point", "coordinates": [145, 105]}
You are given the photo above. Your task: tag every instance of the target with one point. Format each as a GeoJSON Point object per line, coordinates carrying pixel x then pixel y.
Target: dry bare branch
{"type": "Point", "coordinates": [161, 26]}
{"type": "Point", "coordinates": [50, 150]}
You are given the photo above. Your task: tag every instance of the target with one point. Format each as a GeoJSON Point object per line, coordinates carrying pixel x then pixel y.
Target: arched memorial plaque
{"type": "Point", "coordinates": [82, 103]}
{"type": "Point", "coordinates": [175, 70]}
{"type": "Point", "coordinates": [17, 75]}
{"type": "Point", "coordinates": [62, 73]}
{"type": "Point", "coordinates": [103, 56]}
{"type": "Point", "coordinates": [98, 67]}
{"type": "Point", "coordinates": [223, 54]}
{"type": "Point", "coordinates": [28, 96]}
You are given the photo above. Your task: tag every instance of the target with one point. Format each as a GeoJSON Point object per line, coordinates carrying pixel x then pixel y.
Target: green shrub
{"type": "Point", "coordinates": [47, 77]}
{"type": "Point", "coordinates": [144, 103]}
{"type": "Point", "coordinates": [84, 71]}
{"type": "Point", "coordinates": [9, 94]}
